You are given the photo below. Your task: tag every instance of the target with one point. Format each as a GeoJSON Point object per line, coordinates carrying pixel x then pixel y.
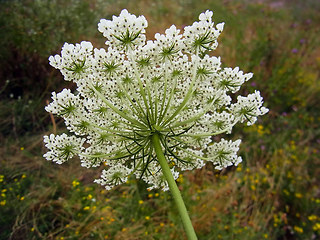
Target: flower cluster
{"type": "Point", "coordinates": [135, 88]}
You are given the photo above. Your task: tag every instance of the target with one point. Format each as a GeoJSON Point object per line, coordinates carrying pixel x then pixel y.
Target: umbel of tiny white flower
{"type": "Point", "coordinates": [136, 89]}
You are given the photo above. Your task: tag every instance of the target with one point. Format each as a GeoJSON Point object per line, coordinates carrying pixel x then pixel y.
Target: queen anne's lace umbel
{"type": "Point", "coordinates": [136, 88]}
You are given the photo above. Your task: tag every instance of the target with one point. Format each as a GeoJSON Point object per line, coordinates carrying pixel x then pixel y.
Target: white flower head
{"type": "Point", "coordinates": [62, 147]}
{"type": "Point", "coordinates": [168, 46]}
{"type": "Point", "coordinates": [136, 89]}
{"type": "Point", "coordinates": [124, 32]}
{"type": "Point", "coordinates": [231, 79]}
{"type": "Point", "coordinates": [64, 103]}
{"type": "Point", "coordinates": [156, 179]}
{"type": "Point", "coordinates": [115, 175]}
{"type": "Point", "coordinates": [75, 61]}
{"type": "Point", "coordinates": [202, 36]}
{"type": "Point", "coordinates": [224, 153]}
{"type": "Point", "coordinates": [249, 108]}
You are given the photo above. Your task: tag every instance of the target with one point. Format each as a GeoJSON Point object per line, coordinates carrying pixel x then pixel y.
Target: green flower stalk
{"type": "Point", "coordinates": [149, 109]}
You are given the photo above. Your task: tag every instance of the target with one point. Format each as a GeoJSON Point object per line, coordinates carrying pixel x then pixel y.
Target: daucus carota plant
{"type": "Point", "coordinates": [149, 109]}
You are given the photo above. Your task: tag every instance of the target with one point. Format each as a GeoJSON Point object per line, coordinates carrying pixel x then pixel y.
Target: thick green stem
{"type": "Point", "coordinates": [173, 188]}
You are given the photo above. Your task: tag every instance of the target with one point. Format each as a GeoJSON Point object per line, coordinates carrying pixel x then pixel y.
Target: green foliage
{"type": "Point", "coordinates": [274, 194]}
{"type": "Point", "coordinates": [30, 32]}
{"type": "Point", "coordinates": [12, 200]}
{"type": "Point", "coordinates": [42, 26]}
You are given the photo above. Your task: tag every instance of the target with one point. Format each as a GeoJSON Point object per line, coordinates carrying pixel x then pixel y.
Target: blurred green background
{"type": "Point", "coordinates": [273, 194]}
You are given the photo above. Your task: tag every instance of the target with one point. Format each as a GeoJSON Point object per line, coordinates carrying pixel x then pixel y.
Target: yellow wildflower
{"type": "Point", "coordinates": [316, 227]}
{"type": "Point", "coordinates": [89, 197]}
{"type": "Point", "coordinates": [75, 183]}
{"type": "Point", "coordinates": [298, 229]}
{"type": "Point", "coordinates": [312, 217]}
